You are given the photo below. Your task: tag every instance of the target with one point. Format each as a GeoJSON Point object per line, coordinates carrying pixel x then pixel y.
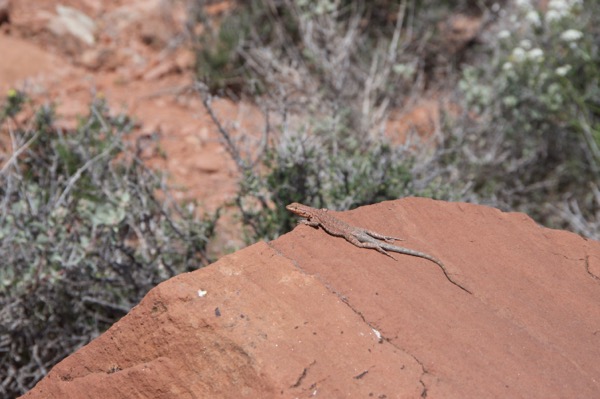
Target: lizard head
{"type": "Point", "coordinates": [299, 209]}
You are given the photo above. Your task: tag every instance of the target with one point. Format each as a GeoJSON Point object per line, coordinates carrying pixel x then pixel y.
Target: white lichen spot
{"type": "Point", "coordinates": [377, 334]}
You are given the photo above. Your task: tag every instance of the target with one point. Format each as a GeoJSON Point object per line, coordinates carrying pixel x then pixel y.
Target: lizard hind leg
{"type": "Point", "coordinates": [382, 237]}
{"type": "Point", "coordinates": [383, 251]}
{"type": "Point", "coordinates": [377, 247]}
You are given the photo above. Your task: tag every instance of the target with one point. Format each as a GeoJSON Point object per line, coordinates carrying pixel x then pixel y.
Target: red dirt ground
{"type": "Point", "coordinates": [140, 62]}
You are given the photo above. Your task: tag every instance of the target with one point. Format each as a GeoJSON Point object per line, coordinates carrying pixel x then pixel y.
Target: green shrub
{"type": "Point", "coordinates": [85, 231]}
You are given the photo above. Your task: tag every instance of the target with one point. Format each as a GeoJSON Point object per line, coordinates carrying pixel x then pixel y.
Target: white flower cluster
{"type": "Point", "coordinates": [531, 14]}
{"type": "Point", "coordinates": [525, 53]}
{"type": "Point", "coordinates": [523, 4]}
{"type": "Point", "coordinates": [558, 9]}
{"type": "Point", "coordinates": [563, 70]}
{"type": "Point", "coordinates": [504, 34]}
{"type": "Point", "coordinates": [571, 35]}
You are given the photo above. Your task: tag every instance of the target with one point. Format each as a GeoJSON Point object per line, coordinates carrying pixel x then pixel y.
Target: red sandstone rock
{"type": "Point", "coordinates": [302, 316]}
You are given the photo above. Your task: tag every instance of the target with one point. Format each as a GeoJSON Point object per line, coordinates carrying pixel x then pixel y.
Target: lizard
{"type": "Point", "coordinates": [360, 237]}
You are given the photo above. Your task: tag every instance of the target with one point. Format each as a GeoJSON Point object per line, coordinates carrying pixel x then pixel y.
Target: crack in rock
{"type": "Point", "coordinates": [303, 375]}
{"type": "Point", "coordinates": [587, 268]}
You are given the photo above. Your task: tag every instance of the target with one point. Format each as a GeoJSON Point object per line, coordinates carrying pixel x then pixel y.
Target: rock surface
{"type": "Point", "coordinates": [311, 315]}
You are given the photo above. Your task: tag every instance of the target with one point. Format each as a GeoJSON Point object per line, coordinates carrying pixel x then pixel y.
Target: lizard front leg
{"type": "Point", "coordinates": [310, 223]}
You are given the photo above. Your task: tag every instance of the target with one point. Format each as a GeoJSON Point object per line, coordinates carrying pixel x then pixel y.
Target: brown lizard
{"type": "Point", "coordinates": [358, 236]}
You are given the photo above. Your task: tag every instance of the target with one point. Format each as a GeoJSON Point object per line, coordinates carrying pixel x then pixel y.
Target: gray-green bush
{"type": "Point", "coordinates": [85, 231]}
{"type": "Point", "coordinates": [531, 138]}
{"type": "Point", "coordinates": [322, 164]}
{"type": "Point", "coordinates": [528, 138]}
{"type": "Point", "coordinates": [340, 67]}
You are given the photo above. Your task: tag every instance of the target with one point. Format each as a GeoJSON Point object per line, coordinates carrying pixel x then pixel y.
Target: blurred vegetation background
{"type": "Point", "coordinates": [86, 229]}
